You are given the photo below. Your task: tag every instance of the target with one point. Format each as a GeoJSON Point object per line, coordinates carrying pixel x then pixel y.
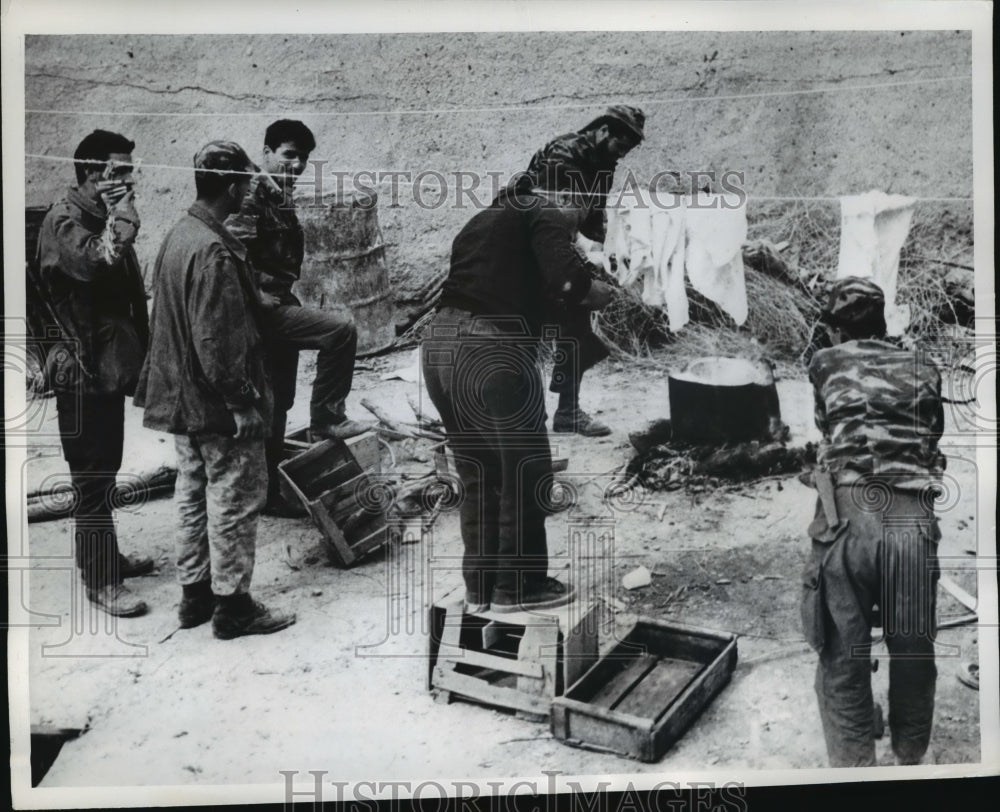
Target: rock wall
{"type": "Point", "coordinates": [484, 102]}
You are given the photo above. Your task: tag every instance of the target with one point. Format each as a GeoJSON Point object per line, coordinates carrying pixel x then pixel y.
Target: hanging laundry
{"type": "Point", "coordinates": [654, 241]}
{"type": "Point", "coordinates": [873, 228]}
{"type": "Point", "coordinates": [715, 236]}
{"type": "Point", "coordinates": [669, 244]}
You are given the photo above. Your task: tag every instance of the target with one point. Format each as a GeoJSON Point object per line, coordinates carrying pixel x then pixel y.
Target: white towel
{"type": "Point", "coordinates": [715, 237]}
{"type": "Point", "coordinates": [873, 228]}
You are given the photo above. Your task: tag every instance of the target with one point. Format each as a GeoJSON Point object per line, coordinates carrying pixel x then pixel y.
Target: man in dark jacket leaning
{"type": "Point", "coordinates": [96, 302]}
{"type": "Point", "coordinates": [204, 382]}
{"type": "Point", "coordinates": [509, 265]}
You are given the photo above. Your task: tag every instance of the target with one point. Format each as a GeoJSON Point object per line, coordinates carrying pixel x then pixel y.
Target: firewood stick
{"type": "Point", "coordinates": [385, 420]}
{"type": "Point", "coordinates": [397, 428]}
{"type": "Point", "coordinates": [423, 421]}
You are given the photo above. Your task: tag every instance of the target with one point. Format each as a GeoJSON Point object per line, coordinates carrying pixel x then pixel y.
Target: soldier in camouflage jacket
{"type": "Point", "coordinates": [874, 535]}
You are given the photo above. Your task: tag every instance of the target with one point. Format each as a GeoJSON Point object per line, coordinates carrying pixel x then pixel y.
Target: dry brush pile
{"type": "Point", "coordinates": [786, 288]}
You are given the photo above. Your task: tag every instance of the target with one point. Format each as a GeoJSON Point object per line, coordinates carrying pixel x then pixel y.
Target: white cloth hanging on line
{"type": "Point", "coordinates": [715, 237]}
{"type": "Point", "coordinates": [873, 228]}
{"type": "Point", "coordinates": [657, 240]}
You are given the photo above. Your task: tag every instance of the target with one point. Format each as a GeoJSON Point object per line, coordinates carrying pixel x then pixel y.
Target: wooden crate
{"type": "Point", "coordinates": [331, 479]}
{"type": "Point", "coordinates": [517, 661]}
{"type": "Point", "coordinates": [640, 697]}
{"type": "Point", "coordinates": [364, 448]}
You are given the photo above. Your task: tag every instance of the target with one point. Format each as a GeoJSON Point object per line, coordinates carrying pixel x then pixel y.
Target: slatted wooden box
{"type": "Point", "coordinates": [335, 481]}
{"type": "Point", "coordinates": [517, 661]}
{"type": "Point", "coordinates": [642, 695]}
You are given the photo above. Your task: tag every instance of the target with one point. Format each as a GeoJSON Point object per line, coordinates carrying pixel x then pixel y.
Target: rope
{"type": "Point", "coordinates": [769, 94]}
{"type": "Point", "coordinates": [385, 177]}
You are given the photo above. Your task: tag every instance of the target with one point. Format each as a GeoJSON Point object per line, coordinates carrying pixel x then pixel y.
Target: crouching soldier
{"type": "Point", "coordinates": [875, 537]}
{"type": "Point", "coordinates": [204, 382]}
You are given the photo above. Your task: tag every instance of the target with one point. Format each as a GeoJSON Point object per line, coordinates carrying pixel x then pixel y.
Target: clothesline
{"type": "Point", "coordinates": [385, 177]}
{"type": "Point", "coordinates": [525, 107]}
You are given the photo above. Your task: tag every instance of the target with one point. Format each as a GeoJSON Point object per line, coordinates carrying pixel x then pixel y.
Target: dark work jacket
{"type": "Point", "coordinates": [205, 356]}
{"type": "Point", "coordinates": [577, 152]}
{"type": "Point", "coordinates": [98, 308]}
{"type": "Point", "coordinates": [516, 258]}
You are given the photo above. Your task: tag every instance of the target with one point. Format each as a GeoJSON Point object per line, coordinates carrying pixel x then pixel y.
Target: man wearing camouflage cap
{"type": "Point", "coordinates": [874, 535]}
{"type": "Point", "coordinates": [204, 382]}
{"type": "Point", "coordinates": [592, 153]}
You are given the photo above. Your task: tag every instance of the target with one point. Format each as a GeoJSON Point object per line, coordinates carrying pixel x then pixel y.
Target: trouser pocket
{"type": "Point", "coordinates": [812, 600]}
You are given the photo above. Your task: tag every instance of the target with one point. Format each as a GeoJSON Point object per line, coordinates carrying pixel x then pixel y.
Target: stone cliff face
{"type": "Point", "coordinates": [479, 103]}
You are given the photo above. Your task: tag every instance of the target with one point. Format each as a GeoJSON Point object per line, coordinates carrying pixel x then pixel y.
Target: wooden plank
{"type": "Point", "coordinates": [331, 478]}
{"type": "Point", "coordinates": [365, 451]}
{"type": "Point", "coordinates": [605, 669]}
{"type": "Point", "coordinates": [484, 659]}
{"type": "Point", "coordinates": [498, 695]}
{"type": "Point", "coordinates": [659, 688]}
{"type": "Point", "coordinates": [335, 541]}
{"type": "Point", "coordinates": [345, 498]}
{"type": "Point", "coordinates": [373, 523]}
{"type": "Point", "coordinates": [615, 689]}
{"type": "Point", "coordinates": [579, 648]}
{"type": "Point", "coordinates": [313, 477]}
{"type": "Point", "coordinates": [370, 542]}
{"type": "Point", "coordinates": [677, 642]}
{"type": "Point", "coordinates": [692, 703]}
{"type": "Point", "coordinates": [317, 455]}
{"type": "Point", "coordinates": [970, 602]}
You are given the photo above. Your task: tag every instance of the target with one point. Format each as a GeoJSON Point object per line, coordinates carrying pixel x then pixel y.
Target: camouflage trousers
{"type": "Point", "coordinates": [220, 490]}
{"type": "Point", "coordinates": [876, 567]}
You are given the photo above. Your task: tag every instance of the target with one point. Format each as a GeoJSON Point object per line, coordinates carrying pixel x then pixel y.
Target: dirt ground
{"type": "Point", "coordinates": [344, 689]}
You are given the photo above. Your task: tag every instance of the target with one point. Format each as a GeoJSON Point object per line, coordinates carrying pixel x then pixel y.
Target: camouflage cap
{"type": "Point", "coordinates": [632, 117]}
{"type": "Point", "coordinates": [224, 156]}
{"type": "Point", "coordinates": [853, 300]}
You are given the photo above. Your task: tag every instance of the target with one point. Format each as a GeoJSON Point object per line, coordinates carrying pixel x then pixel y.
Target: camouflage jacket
{"type": "Point", "coordinates": [269, 228]}
{"type": "Point", "coordinates": [880, 410]}
{"type": "Point", "coordinates": [597, 173]}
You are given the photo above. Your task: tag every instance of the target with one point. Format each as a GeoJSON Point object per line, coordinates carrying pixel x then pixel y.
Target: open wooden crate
{"type": "Point", "coordinates": [640, 697]}
{"type": "Point", "coordinates": [518, 661]}
{"type": "Point", "coordinates": [333, 479]}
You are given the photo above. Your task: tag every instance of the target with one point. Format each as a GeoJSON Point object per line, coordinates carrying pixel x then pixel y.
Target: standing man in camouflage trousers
{"type": "Point", "coordinates": [204, 382]}
{"type": "Point", "coordinates": [269, 228]}
{"type": "Point", "coordinates": [592, 153]}
{"type": "Point", "coordinates": [874, 535]}
{"type": "Point", "coordinates": [91, 280]}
